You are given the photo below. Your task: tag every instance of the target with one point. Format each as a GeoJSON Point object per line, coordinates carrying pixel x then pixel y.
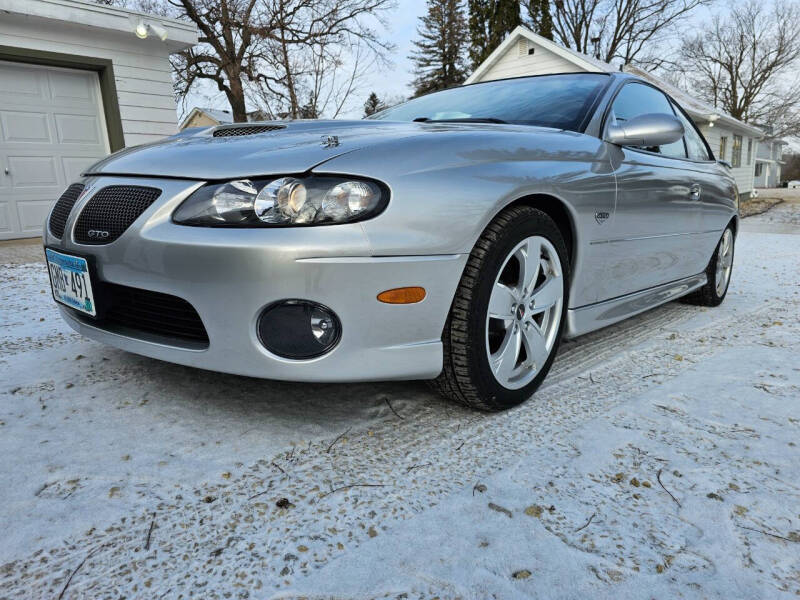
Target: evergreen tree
{"type": "Point", "coordinates": [490, 21]}
{"type": "Point", "coordinates": [439, 61]}
{"type": "Point", "coordinates": [373, 105]}
{"type": "Point", "coordinates": [539, 17]}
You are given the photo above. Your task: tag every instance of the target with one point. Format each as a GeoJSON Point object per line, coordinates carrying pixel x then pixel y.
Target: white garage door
{"type": "Point", "coordinates": [51, 128]}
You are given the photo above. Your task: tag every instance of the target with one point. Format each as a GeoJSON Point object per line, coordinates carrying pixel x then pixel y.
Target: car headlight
{"type": "Point", "coordinates": [283, 202]}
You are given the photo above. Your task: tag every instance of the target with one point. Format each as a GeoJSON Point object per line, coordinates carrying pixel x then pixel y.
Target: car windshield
{"type": "Point", "coordinates": [559, 101]}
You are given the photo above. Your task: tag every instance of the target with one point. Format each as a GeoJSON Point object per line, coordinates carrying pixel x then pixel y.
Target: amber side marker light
{"type": "Point", "coordinates": [404, 295]}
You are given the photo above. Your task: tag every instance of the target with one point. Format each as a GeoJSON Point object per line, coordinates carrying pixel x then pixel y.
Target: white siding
{"type": "Point", "coordinates": [141, 69]}
{"type": "Point", "coordinates": [743, 174]}
{"type": "Point", "coordinates": [516, 62]}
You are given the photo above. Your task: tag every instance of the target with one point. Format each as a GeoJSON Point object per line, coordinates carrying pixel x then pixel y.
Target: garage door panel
{"type": "Point", "coordinates": [5, 218]}
{"type": "Point", "coordinates": [78, 129]}
{"type": "Point", "coordinates": [22, 84]}
{"type": "Point", "coordinates": [32, 213]}
{"type": "Point", "coordinates": [75, 165]}
{"type": "Point", "coordinates": [25, 127]}
{"type": "Point", "coordinates": [33, 171]}
{"type": "Point", "coordinates": [51, 130]}
{"type": "Point", "coordinates": [73, 88]}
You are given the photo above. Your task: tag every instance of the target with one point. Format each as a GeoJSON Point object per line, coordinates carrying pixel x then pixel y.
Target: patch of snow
{"type": "Point", "coordinates": [259, 489]}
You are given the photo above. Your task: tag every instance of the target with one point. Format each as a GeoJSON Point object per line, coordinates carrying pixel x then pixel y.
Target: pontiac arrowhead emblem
{"type": "Point", "coordinates": [85, 192]}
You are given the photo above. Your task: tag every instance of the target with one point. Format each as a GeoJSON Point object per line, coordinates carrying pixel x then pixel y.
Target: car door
{"type": "Point", "coordinates": [657, 213]}
{"type": "Point", "coordinates": [717, 193]}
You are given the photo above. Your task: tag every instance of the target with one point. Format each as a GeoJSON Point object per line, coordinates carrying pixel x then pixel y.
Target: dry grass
{"type": "Point", "coordinates": [756, 206]}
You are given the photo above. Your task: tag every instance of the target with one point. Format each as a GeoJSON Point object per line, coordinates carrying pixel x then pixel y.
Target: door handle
{"type": "Point", "coordinates": [694, 191]}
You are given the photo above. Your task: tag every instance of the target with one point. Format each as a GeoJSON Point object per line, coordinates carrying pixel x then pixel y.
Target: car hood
{"type": "Point", "coordinates": [293, 147]}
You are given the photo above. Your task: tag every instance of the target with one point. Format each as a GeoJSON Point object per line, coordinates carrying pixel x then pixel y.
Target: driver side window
{"type": "Point", "coordinates": [639, 99]}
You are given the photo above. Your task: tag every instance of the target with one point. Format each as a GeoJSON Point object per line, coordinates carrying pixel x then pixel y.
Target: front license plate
{"type": "Point", "coordinates": [70, 281]}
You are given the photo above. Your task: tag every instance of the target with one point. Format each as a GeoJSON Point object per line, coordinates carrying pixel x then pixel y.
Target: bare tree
{"type": "Point", "coordinates": [626, 30]}
{"type": "Point", "coordinates": [289, 57]}
{"type": "Point", "coordinates": [747, 62]}
{"type": "Point", "coordinates": [317, 51]}
{"type": "Point", "coordinates": [231, 50]}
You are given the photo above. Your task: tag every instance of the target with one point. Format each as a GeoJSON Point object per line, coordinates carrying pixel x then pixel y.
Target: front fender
{"type": "Point", "coordinates": [444, 192]}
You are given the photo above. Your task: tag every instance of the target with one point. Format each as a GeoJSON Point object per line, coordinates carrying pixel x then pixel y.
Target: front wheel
{"type": "Point", "coordinates": [718, 273]}
{"type": "Point", "coordinates": [508, 313]}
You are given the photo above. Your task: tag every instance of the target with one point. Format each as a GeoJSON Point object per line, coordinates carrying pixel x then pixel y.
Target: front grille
{"type": "Point", "coordinates": [60, 212]}
{"type": "Point", "coordinates": [152, 312]}
{"type": "Point", "coordinates": [246, 130]}
{"type": "Point", "coordinates": [111, 211]}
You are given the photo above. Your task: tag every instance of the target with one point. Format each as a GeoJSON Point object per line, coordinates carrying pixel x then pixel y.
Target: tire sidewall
{"type": "Point", "coordinates": [712, 271]}
{"type": "Point", "coordinates": [538, 223]}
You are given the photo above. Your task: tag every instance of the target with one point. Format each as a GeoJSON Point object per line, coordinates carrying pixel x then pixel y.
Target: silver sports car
{"type": "Point", "coordinates": [456, 237]}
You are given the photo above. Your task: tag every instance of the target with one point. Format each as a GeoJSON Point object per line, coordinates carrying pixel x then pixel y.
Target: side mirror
{"type": "Point", "coordinates": [654, 129]}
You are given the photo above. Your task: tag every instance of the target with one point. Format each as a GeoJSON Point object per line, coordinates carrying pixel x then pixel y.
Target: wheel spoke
{"type": "Point", "coordinates": [521, 312]}
{"type": "Point", "coordinates": [501, 301]}
{"type": "Point", "coordinates": [535, 345]}
{"type": "Point", "coordinates": [505, 359]}
{"type": "Point", "coordinates": [726, 244]}
{"type": "Point", "coordinates": [529, 257]}
{"type": "Point", "coordinates": [547, 294]}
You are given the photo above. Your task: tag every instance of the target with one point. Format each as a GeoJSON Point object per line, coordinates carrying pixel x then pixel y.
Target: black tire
{"type": "Point", "coordinates": [466, 375]}
{"type": "Point", "coordinates": [708, 295]}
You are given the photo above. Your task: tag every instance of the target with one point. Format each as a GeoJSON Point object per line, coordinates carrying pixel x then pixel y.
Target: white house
{"type": "Point", "coordinates": [212, 117]}
{"type": "Point", "coordinates": [77, 80]}
{"type": "Point", "coordinates": [206, 117]}
{"type": "Point", "coordinates": [526, 53]}
{"type": "Point", "coordinates": [769, 160]}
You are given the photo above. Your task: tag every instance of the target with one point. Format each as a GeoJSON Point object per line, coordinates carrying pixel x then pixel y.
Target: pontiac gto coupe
{"type": "Point", "coordinates": [456, 237]}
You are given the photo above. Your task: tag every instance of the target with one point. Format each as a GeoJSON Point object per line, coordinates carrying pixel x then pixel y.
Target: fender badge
{"type": "Point", "coordinates": [601, 217]}
{"type": "Point", "coordinates": [330, 141]}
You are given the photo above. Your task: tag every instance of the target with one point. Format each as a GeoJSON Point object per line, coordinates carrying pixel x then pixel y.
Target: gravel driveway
{"type": "Point", "coordinates": [660, 459]}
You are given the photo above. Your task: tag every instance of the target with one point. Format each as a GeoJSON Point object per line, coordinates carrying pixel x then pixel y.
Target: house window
{"type": "Point", "coordinates": [736, 157]}
{"type": "Point", "coordinates": [749, 151]}
{"type": "Point", "coordinates": [759, 168]}
{"type": "Point", "coordinates": [723, 147]}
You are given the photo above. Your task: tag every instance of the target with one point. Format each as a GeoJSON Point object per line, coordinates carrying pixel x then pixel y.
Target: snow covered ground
{"type": "Point", "coordinates": [660, 459]}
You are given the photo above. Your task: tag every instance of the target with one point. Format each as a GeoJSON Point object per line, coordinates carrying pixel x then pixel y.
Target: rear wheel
{"type": "Point", "coordinates": [718, 273]}
{"type": "Point", "coordinates": [508, 313]}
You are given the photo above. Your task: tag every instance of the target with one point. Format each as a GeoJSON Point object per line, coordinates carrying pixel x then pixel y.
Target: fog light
{"type": "Point", "coordinates": [298, 329]}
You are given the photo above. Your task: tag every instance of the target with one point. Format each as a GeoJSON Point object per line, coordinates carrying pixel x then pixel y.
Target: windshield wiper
{"type": "Point", "coordinates": [470, 120]}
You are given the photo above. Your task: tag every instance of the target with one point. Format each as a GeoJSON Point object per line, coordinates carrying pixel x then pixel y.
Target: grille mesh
{"type": "Point", "coordinates": [60, 212]}
{"type": "Point", "coordinates": [246, 130]}
{"type": "Point", "coordinates": [113, 209]}
{"type": "Point", "coordinates": [152, 312]}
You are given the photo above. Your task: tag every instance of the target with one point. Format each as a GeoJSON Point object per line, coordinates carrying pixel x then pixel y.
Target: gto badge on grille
{"type": "Point", "coordinates": [98, 234]}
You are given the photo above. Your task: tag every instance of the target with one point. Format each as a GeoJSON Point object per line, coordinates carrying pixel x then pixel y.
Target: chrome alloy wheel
{"type": "Point", "coordinates": [524, 312]}
{"type": "Point", "coordinates": [724, 262]}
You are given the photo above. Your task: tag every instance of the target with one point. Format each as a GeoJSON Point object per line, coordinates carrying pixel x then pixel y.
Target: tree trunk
{"type": "Point", "coordinates": [294, 105]}
{"type": "Point", "coordinates": [235, 93]}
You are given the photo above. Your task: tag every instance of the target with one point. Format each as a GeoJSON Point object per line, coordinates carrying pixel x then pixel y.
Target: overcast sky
{"type": "Point", "coordinates": [396, 81]}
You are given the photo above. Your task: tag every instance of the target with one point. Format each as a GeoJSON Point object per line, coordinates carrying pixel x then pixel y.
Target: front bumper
{"type": "Point", "coordinates": [230, 275]}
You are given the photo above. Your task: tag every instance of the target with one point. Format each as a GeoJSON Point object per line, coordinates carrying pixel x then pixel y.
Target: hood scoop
{"type": "Point", "coordinates": [240, 130]}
